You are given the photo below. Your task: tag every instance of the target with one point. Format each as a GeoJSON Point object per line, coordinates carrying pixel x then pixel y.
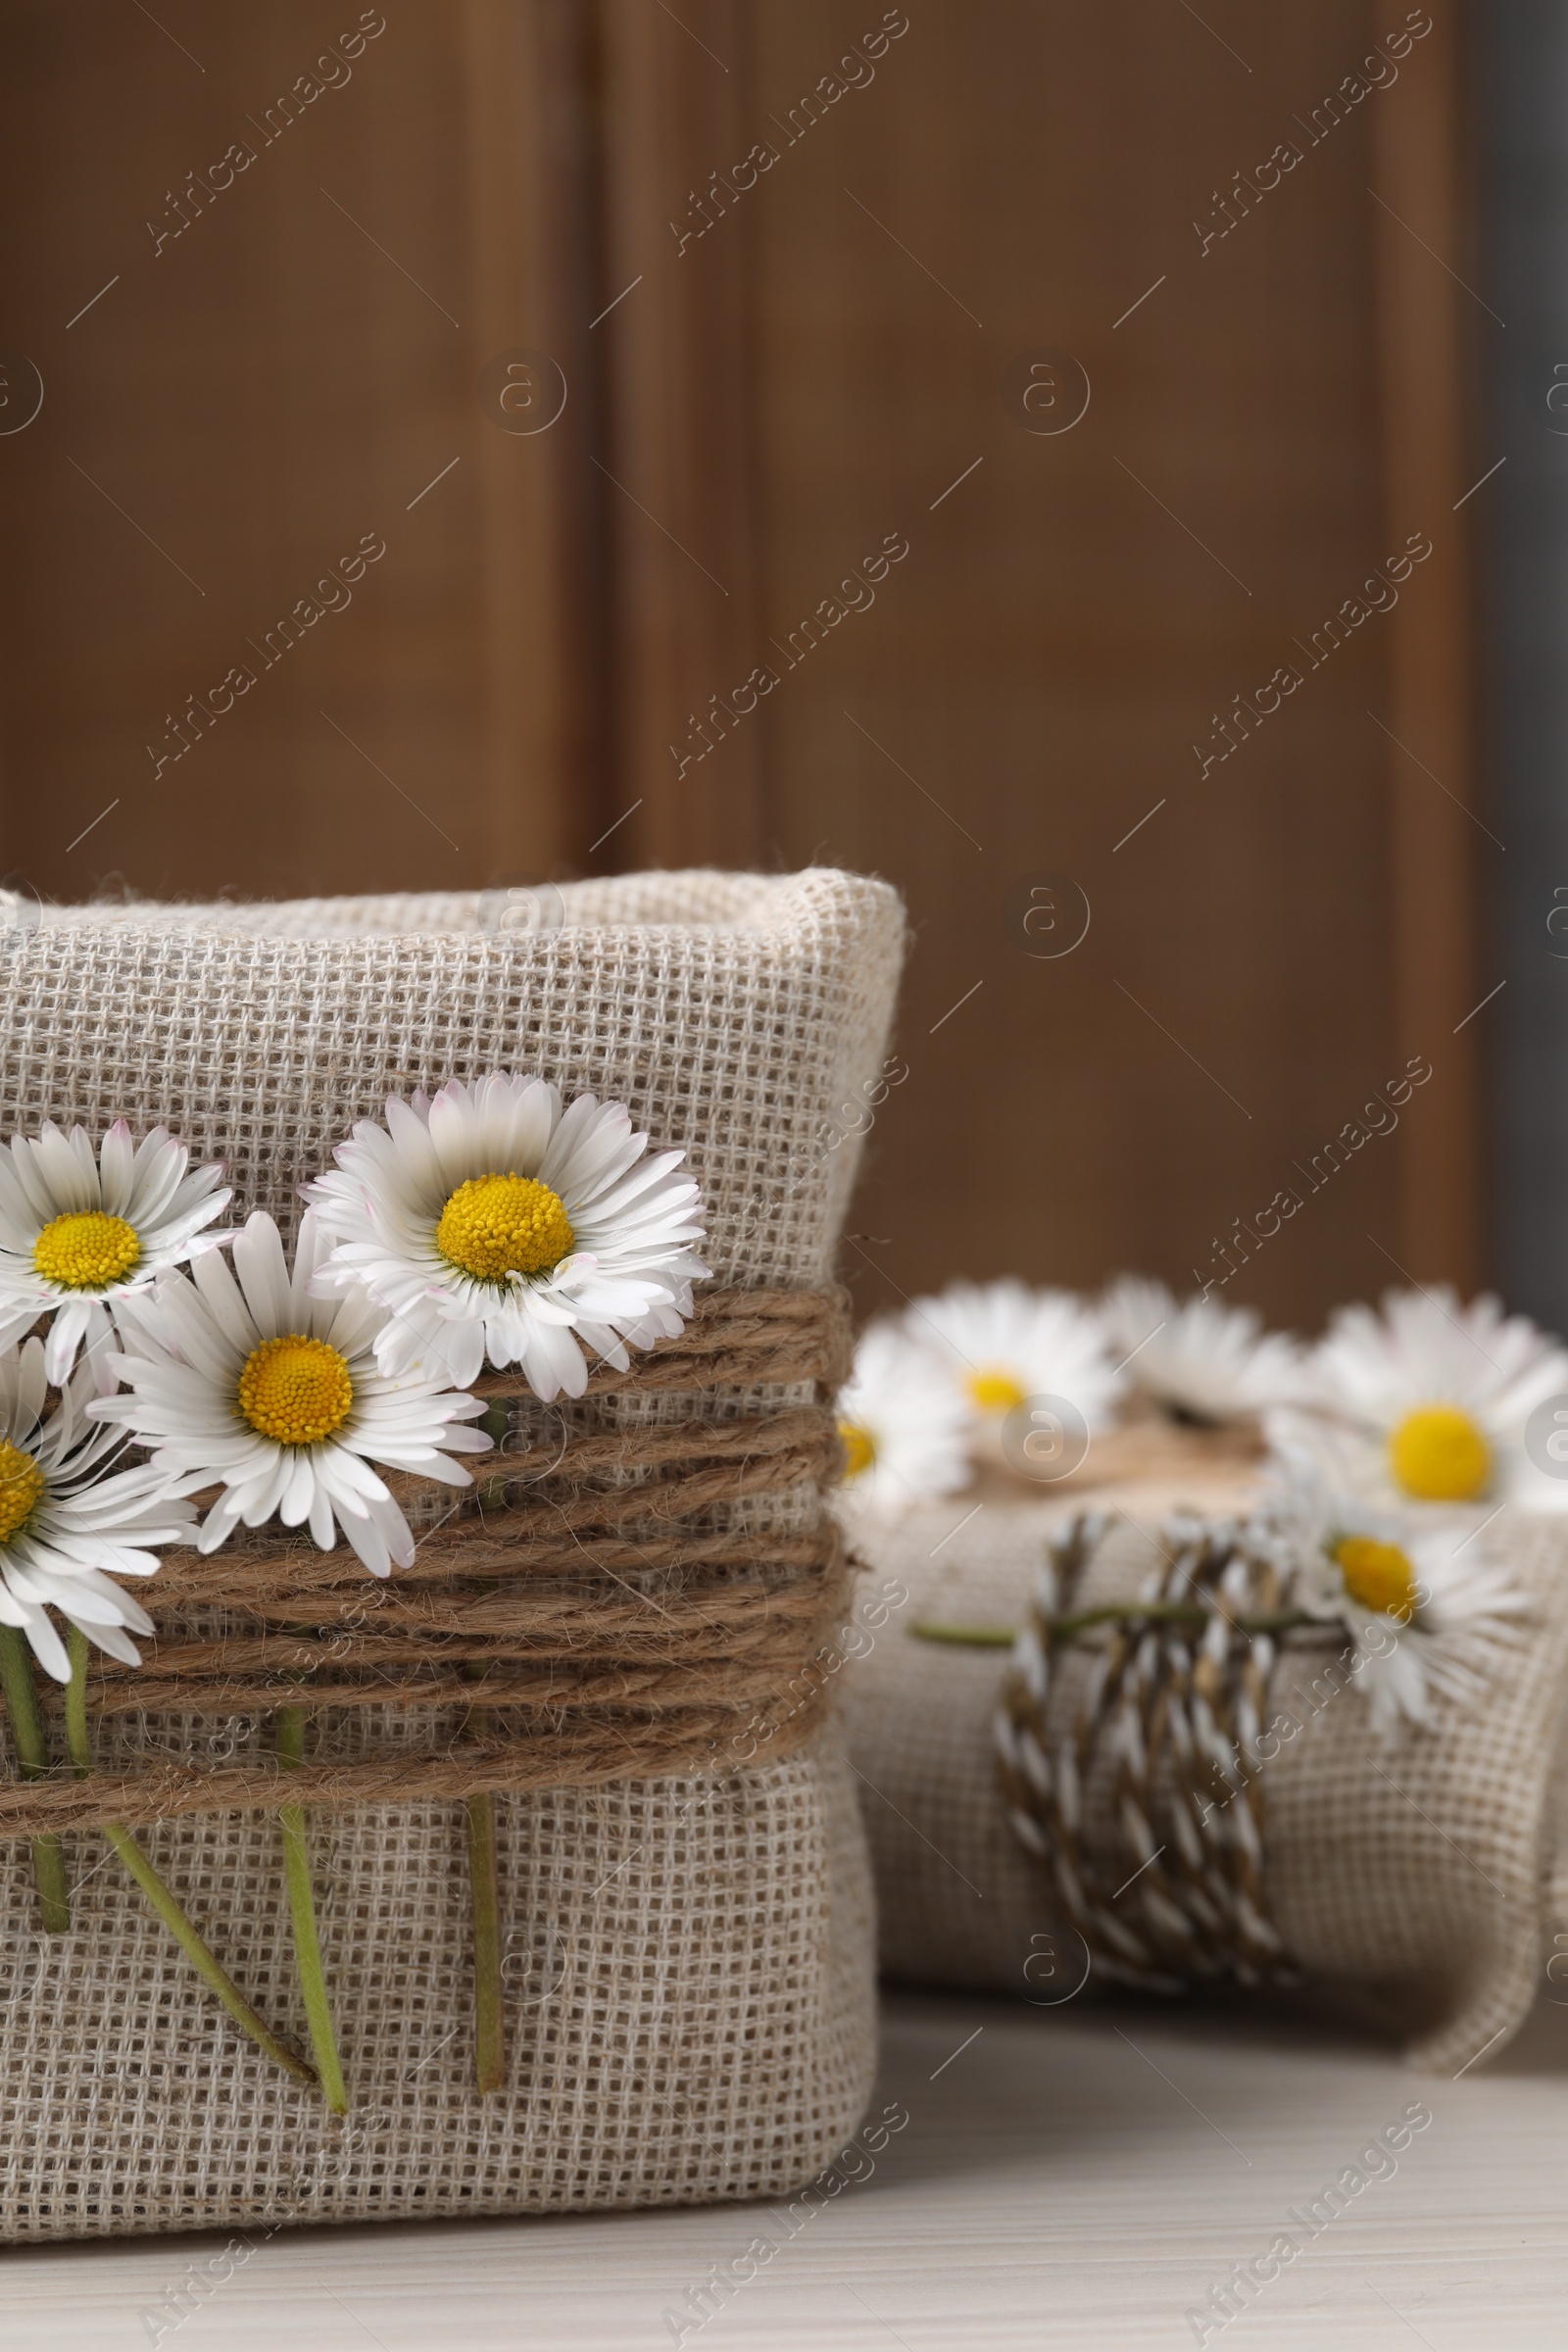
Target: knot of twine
{"type": "Point", "coordinates": [608, 1602]}
{"type": "Point", "coordinates": [1129, 1778]}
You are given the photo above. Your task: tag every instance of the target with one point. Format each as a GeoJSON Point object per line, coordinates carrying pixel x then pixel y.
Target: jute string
{"type": "Point", "coordinates": [608, 1626]}
{"type": "Point", "coordinates": [1134, 1779]}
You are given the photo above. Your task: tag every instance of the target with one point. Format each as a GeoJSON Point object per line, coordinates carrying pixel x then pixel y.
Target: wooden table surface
{"type": "Point", "coordinates": [1079, 2180]}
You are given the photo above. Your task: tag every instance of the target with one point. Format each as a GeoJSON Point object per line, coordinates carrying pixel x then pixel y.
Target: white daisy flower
{"type": "Point", "coordinates": [490, 1221]}
{"type": "Point", "coordinates": [1426, 1612]}
{"type": "Point", "coordinates": [77, 1232]}
{"type": "Point", "coordinates": [1438, 1395]}
{"type": "Point", "coordinates": [257, 1385]}
{"type": "Point", "coordinates": [67, 1529]}
{"type": "Point", "coordinates": [1001, 1343]}
{"type": "Point", "coordinates": [1198, 1361]}
{"type": "Point", "coordinates": [902, 1423]}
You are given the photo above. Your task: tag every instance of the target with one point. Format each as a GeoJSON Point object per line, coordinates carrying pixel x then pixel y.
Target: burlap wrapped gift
{"type": "Point", "coordinates": [686, 1910]}
{"type": "Point", "coordinates": [1413, 1882]}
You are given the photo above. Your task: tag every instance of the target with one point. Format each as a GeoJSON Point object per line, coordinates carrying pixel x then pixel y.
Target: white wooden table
{"type": "Point", "coordinates": [1078, 2178]}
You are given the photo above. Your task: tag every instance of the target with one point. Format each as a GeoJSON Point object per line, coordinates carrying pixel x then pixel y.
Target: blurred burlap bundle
{"type": "Point", "coordinates": [686, 1913]}
{"type": "Point", "coordinates": [1413, 1883]}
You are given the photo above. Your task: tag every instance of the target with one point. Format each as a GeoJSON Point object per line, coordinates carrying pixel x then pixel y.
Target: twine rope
{"type": "Point", "coordinates": [608, 1628]}
{"type": "Point", "coordinates": [1166, 1882]}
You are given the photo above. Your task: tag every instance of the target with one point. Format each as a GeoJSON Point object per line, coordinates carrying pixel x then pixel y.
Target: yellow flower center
{"type": "Point", "coordinates": [85, 1251]}
{"type": "Point", "coordinates": [860, 1448]}
{"type": "Point", "coordinates": [1380, 1576]}
{"type": "Point", "coordinates": [995, 1392]}
{"type": "Point", "coordinates": [21, 1486]}
{"type": "Point", "coordinates": [1439, 1455]}
{"type": "Point", "coordinates": [296, 1389]}
{"type": "Point", "coordinates": [494, 1226]}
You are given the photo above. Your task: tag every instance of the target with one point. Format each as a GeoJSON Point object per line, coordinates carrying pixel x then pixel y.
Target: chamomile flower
{"type": "Point", "coordinates": [249, 1381]}
{"type": "Point", "coordinates": [1426, 1612]}
{"type": "Point", "coordinates": [1197, 1360]}
{"type": "Point", "coordinates": [80, 1230]}
{"type": "Point", "coordinates": [491, 1222]}
{"type": "Point", "coordinates": [1001, 1343]}
{"type": "Point", "coordinates": [69, 1523]}
{"type": "Point", "coordinates": [1438, 1397]}
{"type": "Point", "coordinates": [902, 1423]}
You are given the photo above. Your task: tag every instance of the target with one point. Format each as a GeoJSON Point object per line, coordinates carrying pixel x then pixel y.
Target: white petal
{"type": "Point", "coordinates": [66, 1334]}
{"type": "Point", "coordinates": [264, 1274]}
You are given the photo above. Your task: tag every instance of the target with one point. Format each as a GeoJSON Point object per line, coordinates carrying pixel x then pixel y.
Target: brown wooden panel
{"type": "Point", "coordinates": [1428, 325]}
{"type": "Point", "coordinates": [256, 392]}
{"type": "Point", "coordinates": [1076, 613]}
{"type": "Point", "coordinates": [533, 246]}
{"type": "Point", "coordinates": [677, 443]}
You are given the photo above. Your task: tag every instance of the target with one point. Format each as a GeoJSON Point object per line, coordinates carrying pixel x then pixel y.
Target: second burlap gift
{"type": "Point", "coordinates": [1417, 1878]}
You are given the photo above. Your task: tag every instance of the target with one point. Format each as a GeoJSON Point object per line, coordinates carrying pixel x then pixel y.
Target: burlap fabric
{"type": "Point", "coordinates": [1413, 1884]}
{"type": "Point", "coordinates": [688, 1973]}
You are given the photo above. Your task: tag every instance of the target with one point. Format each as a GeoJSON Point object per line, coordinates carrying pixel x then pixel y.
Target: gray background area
{"type": "Point", "coordinates": [1521, 52]}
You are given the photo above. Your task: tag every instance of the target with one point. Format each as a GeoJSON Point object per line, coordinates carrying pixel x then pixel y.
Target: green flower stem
{"type": "Point", "coordinates": [158, 1895]}
{"type": "Point", "coordinates": [32, 1755]}
{"type": "Point", "coordinates": [1177, 1612]}
{"type": "Point", "coordinates": [489, 2030]}
{"type": "Point", "coordinates": [1125, 1612]}
{"type": "Point", "coordinates": [78, 1746]}
{"type": "Point", "coordinates": [966, 1637]}
{"type": "Point", "coordinates": [302, 1912]}
{"type": "Point", "coordinates": [497, 1426]}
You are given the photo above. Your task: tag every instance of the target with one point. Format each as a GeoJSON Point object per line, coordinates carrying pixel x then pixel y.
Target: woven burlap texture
{"type": "Point", "coordinates": [734, 1014]}
{"type": "Point", "coordinates": [688, 1998]}
{"type": "Point", "coordinates": [689, 1983]}
{"type": "Point", "coordinates": [1413, 1881]}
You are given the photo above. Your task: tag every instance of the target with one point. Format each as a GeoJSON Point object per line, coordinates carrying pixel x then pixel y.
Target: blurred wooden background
{"type": "Point", "coordinates": [789, 266]}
